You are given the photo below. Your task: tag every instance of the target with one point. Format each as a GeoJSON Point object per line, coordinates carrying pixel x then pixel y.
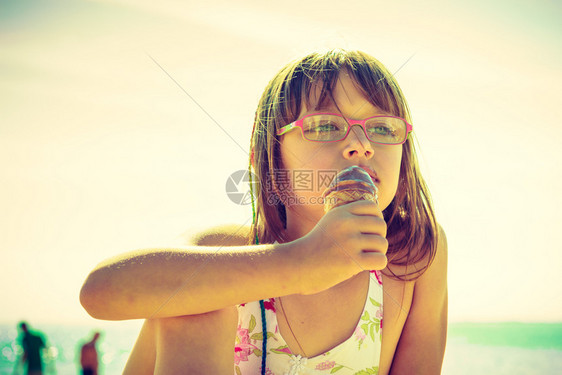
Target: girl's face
{"type": "Point", "coordinates": [305, 160]}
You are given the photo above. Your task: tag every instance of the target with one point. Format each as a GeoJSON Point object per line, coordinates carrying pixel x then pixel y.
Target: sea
{"type": "Point", "coordinates": [472, 348]}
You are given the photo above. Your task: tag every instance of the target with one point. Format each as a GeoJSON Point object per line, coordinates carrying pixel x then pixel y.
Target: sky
{"type": "Point", "coordinates": [120, 123]}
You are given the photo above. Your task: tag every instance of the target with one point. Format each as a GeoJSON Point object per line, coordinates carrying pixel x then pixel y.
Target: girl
{"type": "Point", "coordinates": [300, 291]}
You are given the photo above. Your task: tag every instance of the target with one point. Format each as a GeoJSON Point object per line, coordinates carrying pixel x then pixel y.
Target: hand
{"type": "Point", "coordinates": [347, 240]}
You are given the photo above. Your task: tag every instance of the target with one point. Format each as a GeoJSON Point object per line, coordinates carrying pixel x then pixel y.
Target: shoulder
{"type": "Point", "coordinates": [436, 272]}
{"type": "Point", "coordinates": [441, 253]}
{"type": "Point", "coordinates": [441, 240]}
{"type": "Point", "coordinates": [219, 235]}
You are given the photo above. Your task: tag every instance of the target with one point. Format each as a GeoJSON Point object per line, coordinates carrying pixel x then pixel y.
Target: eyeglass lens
{"type": "Point", "coordinates": [328, 128]}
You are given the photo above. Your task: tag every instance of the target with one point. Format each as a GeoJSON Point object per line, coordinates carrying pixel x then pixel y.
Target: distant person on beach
{"type": "Point", "coordinates": [33, 345]}
{"type": "Point", "coordinates": [89, 356]}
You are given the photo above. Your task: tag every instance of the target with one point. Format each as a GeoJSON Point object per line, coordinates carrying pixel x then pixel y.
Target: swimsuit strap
{"type": "Point", "coordinates": [264, 332]}
{"type": "Point", "coordinates": [262, 307]}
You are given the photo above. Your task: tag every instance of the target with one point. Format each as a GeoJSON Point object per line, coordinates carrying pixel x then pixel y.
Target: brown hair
{"type": "Point", "coordinates": [412, 228]}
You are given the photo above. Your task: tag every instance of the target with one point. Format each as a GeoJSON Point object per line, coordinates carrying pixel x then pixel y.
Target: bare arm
{"type": "Point", "coordinates": [422, 344]}
{"type": "Point", "coordinates": [188, 280]}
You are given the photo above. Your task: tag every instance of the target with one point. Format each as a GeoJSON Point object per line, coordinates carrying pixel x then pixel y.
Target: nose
{"type": "Point", "coordinates": [357, 144]}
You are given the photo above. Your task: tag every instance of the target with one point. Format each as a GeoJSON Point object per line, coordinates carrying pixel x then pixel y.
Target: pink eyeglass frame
{"type": "Point", "coordinates": [299, 124]}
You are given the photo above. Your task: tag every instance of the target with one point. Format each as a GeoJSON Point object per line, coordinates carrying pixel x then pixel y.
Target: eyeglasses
{"type": "Point", "coordinates": [332, 127]}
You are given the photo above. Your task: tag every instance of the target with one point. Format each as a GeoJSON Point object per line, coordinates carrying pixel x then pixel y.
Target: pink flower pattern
{"type": "Point", "coordinates": [269, 304]}
{"type": "Point", "coordinates": [379, 316]}
{"type": "Point", "coordinates": [244, 348]}
{"type": "Point", "coordinates": [378, 276]}
{"type": "Point", "coordinates": [326, 365]}
{"type": "Point", "coordinates": [359, 334]}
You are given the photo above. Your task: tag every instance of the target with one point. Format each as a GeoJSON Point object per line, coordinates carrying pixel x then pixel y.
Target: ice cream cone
{"type": "Point", "coordinates": [339, 198]}
{"type": "Point", "coordinates": [350, 185]}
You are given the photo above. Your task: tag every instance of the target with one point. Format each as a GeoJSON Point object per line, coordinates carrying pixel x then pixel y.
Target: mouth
{"type": "Point", "coordinates": [371, 173]}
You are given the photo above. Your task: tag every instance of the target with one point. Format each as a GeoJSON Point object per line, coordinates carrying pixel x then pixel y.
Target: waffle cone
{"type": "Point", "coordinates": [341, 197]}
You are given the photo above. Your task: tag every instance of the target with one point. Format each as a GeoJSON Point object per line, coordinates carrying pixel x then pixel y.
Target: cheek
{"type": "Point", "coordinates": [396, 162]}
{"type": "Point", "coordinates": [309, 170]}
{"type": "Point", "coordinates": [390, 175]}
{"type": "Point", "coordinates": [295, 156]}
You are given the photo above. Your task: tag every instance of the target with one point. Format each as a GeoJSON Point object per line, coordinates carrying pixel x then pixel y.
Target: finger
{"type": "Point", "coordinates": [372, 243]}
{"type": "Point", "coordinates": [370, 225]}
{"type": "Point", "coordinates": [361, 208]}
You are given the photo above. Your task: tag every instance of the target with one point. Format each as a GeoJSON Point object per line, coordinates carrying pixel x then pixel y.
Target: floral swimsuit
{"type": "Point", "coordinates": [359, 354]}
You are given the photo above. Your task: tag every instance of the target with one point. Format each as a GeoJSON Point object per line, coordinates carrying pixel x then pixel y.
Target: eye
{"type": "Point", "coordinates": [382, 129]}
{"type": "Point", "coordinates": [323, 126]}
